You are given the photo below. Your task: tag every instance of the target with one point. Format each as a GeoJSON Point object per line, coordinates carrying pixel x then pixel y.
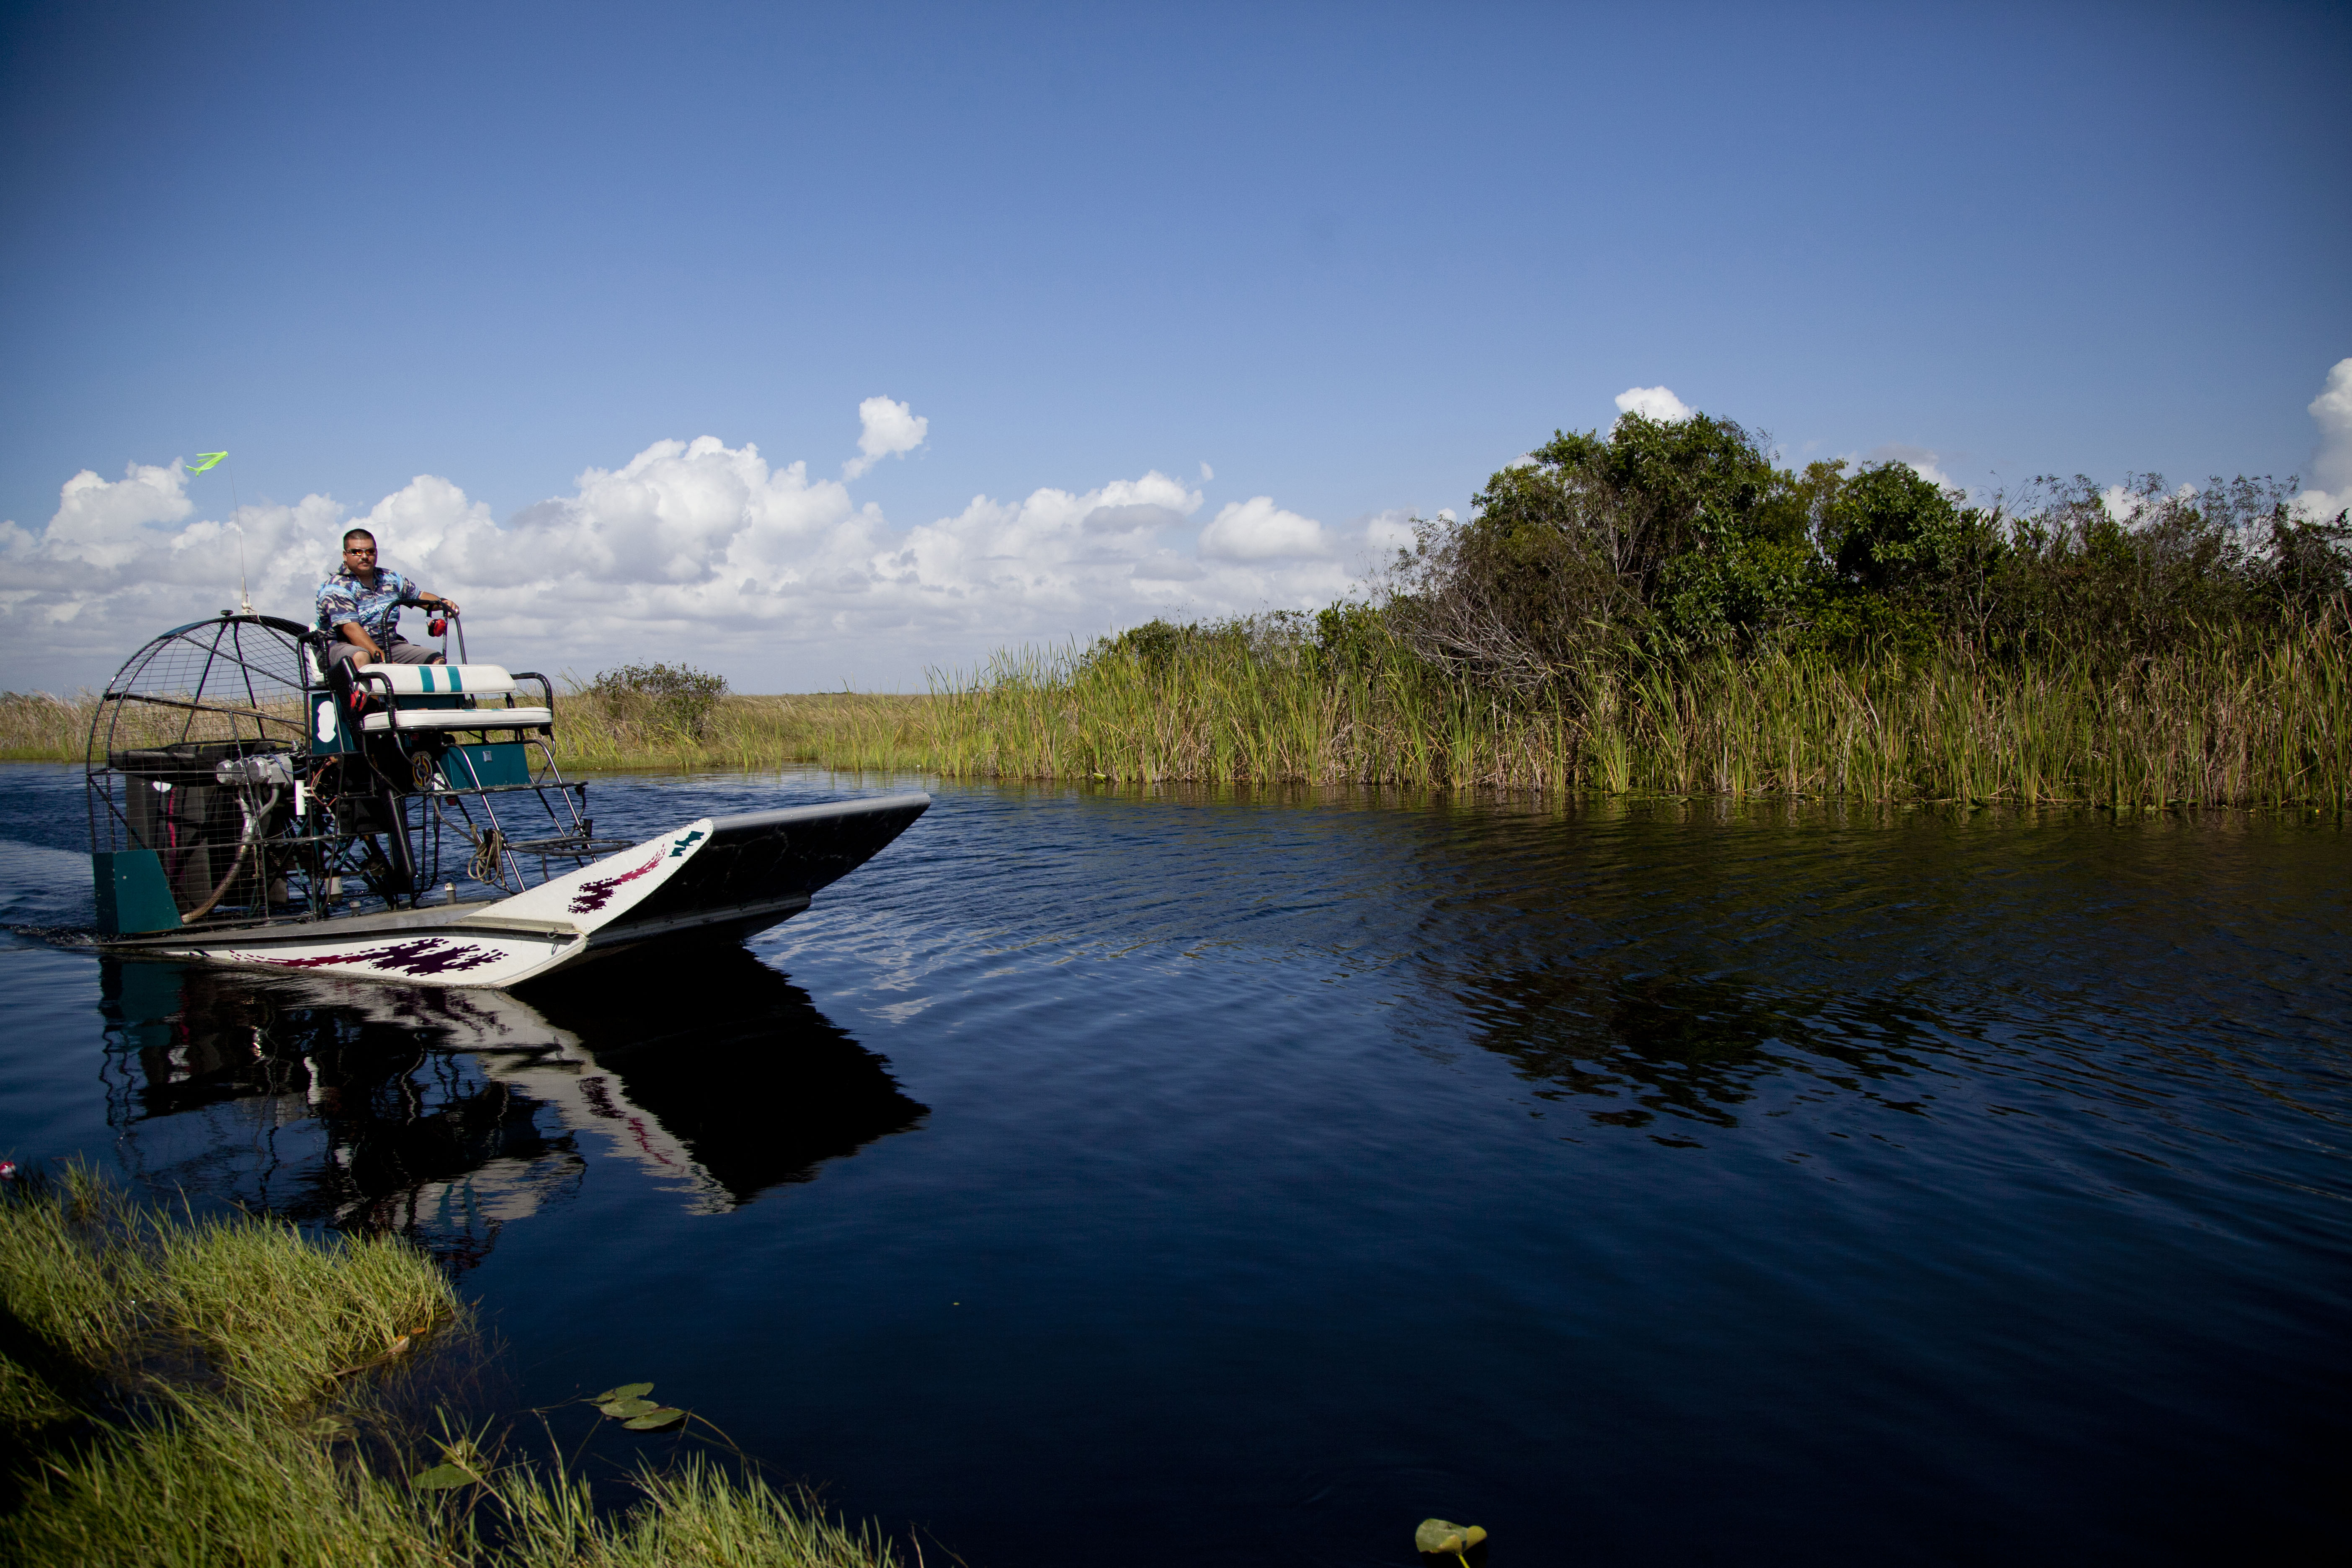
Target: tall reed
{"type": "Point", "coordinates": [38, 727]}
{"type": "Point", "coordinates": [841, 730]}
{"type": "Point", "coordinates": [879, 732]}
{"type": "Point", "coordinates": [2228, 721]}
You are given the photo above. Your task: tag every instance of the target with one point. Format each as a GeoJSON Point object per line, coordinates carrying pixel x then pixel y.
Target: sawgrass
{"type": "Point", "coordinates": [279, 1316]}
{"type": "Point", "coordinates": [201, 1481]}
{"type": "Point", "coordinates": [840, 729]}
{"type": "Point", "coordinates": [694, 1516]}
{"type": "Point", "coordinates": [2228, 721]}
{"type": "Point", "coordinates": [593, 733]}
{"type": "Point", "coordinates": [194, 1391]}
{"type": "Point", "coordinates": [35, 727]}
{"type": "Point", "coordinates": [2231, 721]}
{"type": "Point", "coordinates": [66, 1298]}
{"type": "Point", "coordinates": [97, 1292]}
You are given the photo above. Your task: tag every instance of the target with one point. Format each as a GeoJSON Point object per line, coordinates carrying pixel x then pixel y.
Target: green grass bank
{"type": "Point", "coordinates": [185, 1390]}
{"type": "Point", "coordinates": [2225, 723]}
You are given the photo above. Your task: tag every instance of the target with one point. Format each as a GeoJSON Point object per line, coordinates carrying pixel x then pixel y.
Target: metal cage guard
{"type": "Point", "coordinates": [225, 766]}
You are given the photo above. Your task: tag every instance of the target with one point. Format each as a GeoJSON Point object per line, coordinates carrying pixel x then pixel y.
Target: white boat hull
{"type": "Point", "coordinates": [720, 876]}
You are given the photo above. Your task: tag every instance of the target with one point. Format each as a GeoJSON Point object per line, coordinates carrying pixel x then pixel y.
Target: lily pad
{"type": "Point", "coordinates": [655, 1420]}
{"type": "Point", "coordinates": [1436, 1535]}
{"type": "Point", "coordinates": [627, 1391]}
{"type": "Point", "coordinates": [628, 1409]}
{"type": "Point", "coordinates": [440, 1477]}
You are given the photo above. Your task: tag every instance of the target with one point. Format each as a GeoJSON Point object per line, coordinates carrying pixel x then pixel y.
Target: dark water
{"type": "Point", "coordinates": [1198, 1179]}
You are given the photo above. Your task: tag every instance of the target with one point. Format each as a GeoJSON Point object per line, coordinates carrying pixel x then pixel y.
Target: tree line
{"type": "Point", "coordinates": [1662, 540]}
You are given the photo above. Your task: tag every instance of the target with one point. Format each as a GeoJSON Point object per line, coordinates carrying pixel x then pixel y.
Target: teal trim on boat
{"type": "Point", "coordinates": [132, 894]}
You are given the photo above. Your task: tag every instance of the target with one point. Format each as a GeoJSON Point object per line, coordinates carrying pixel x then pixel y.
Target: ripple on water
{"type": "Point", "coordinates": [1648, 1181]}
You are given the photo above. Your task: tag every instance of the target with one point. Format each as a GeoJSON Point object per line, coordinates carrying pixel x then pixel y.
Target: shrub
{"type": "Point", "coordinates": [667, 696]}
{"type": "Point", "coordinates": [1661, 543]}
{"type": "Point", "coordinates": [1158, 643]}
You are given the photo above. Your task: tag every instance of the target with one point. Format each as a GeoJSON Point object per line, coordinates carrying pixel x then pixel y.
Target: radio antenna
{"type": "Point", "coordinates": [212, 459]}
{"type": "Point", "coordinates": [244, 599]}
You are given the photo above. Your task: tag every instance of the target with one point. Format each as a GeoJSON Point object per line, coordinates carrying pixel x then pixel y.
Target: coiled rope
{"type": "Point", "coordinates": [487, 864]}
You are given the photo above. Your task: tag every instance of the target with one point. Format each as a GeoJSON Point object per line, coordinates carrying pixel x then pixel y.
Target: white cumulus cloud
{"type": "Point", "coordinates": [1654, 403]}
{"type": "Point", "coordinates": [1257, 529]}
{"type": "Point", "coordinates": [1386, 532]}
{"type": "Point", "coordinates": [2331, 465]}
{"type": "Point", "coordinates": [694, 551]}
{"type": "Point", "coordinates": [112, 569]}
{"type": "Point", "coordinates": [886, 429]}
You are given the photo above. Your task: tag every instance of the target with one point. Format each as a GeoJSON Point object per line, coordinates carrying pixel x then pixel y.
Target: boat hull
{"type": "Point", "coordinates": [720, 879]}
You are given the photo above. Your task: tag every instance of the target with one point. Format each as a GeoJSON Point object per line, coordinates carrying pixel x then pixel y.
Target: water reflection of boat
{"type": "Point", "coordinates": [446, 1114]}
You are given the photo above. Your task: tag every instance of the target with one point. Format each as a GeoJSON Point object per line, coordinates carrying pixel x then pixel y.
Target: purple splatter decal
{"type": "Point", "coordinates": [593, 896]}
{"type": "Point", "coordinates": [426, 955]}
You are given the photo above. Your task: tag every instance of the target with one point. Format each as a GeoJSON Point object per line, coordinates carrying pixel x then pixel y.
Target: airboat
{"type": "Point", "coordinates": [253, 801]}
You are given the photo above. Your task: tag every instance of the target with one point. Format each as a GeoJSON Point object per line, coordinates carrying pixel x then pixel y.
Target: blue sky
{"type": "Point", "coordinates": [1311, 268]}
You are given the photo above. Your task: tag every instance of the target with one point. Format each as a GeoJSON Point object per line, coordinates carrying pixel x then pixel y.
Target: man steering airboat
{"type": "Point", "coordinates": [333, 797]}
{"type": "Point", "coordinates": [360, 606]}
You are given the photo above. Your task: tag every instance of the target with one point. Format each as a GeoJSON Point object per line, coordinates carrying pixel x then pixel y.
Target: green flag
{"type": "Point", "coordinates": [205, 460]}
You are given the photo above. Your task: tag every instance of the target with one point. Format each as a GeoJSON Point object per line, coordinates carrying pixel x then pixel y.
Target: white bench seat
{"type": "Point", "coordinates": [462, 719]}
{"type": "Point", "coordinates": [439, 680]}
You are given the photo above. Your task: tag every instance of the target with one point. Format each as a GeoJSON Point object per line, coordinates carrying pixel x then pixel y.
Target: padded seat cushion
{"type": "Point", "coordinates": [439, 680]}
{"type": "Point", "coordinates": [463, 717]}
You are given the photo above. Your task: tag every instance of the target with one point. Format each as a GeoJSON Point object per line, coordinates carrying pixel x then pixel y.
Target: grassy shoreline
{"type": "Point", "coordinates": [2220, 726]}
{"type": "Point", "coordinates": [177, 1390]}
{"type": "Point", "coordinates": [2227, 723]}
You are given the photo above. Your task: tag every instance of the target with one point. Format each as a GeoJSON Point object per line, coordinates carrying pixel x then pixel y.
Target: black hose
{"type": "Point", "coordinates": [253, 824]}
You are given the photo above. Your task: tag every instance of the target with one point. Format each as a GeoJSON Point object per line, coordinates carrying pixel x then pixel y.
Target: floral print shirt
{"type": "Point", "coordinates": [343, 598]}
